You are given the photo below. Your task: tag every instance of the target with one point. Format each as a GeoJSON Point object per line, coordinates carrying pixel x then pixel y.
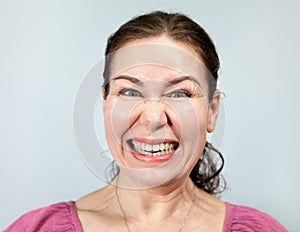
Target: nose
{"type": "Point", "coordinates": [153, 115]}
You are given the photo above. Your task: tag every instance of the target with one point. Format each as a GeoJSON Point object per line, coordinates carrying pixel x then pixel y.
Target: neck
{"type": "Point", "coordinates": [157, 203]}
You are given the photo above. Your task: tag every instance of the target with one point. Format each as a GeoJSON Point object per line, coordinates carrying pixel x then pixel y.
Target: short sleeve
{"type": "Point", "coordinates": [246, 219]}
{"type": "Point", "coordinates": [57, 217]}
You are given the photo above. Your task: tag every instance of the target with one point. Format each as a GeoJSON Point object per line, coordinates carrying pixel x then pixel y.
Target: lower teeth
{"type": "Point", "coordinates": [155, 153]}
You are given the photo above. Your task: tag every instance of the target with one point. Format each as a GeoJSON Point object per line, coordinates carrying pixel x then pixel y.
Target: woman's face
{"type": "Point", "coordinates": [157, 112]}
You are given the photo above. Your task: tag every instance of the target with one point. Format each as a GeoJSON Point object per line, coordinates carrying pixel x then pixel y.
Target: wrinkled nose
{"type": "Point", "coordinates": [153, 115]}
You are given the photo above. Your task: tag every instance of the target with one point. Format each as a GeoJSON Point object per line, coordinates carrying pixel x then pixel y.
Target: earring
{"type": "Point", "coordinates": [210, 147]}
{"type": "Point", "coordinates": [206, 169]}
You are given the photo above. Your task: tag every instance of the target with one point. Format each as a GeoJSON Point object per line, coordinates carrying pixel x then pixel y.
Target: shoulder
{"type": "Point", "coordinates": [243, 218]}
{"type": "Point", "coordinates": [57, 217]}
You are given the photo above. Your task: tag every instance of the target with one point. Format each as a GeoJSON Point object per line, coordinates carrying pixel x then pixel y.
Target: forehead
{"type": "Point", "coordinates": [164, 41]}
{"type": "Point", "coordinates": [156, 58]}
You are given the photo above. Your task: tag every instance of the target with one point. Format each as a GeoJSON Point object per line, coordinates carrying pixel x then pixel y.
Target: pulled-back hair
{"type": "Point", "coordinates": [180, 28]}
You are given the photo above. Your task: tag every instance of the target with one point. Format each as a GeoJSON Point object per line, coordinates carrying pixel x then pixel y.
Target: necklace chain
{"type": "Point", "coordinates": [181, 226]}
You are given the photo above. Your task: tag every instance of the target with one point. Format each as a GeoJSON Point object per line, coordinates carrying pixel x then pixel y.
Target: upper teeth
{"type": "Point", "coordinates": [144, 148]}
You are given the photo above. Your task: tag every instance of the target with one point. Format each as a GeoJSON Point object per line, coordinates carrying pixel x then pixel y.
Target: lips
{"type": "Point", "coordinates": [153, 150]}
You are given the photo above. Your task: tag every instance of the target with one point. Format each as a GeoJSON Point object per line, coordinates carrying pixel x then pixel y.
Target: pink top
{"type": "Point", "coordinates": [63, 217]}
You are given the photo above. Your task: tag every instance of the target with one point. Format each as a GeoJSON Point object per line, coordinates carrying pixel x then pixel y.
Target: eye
{"type": "Point", "coordinates": [179, 93]}
{"type": "Point", "coordinates": [130, 93]}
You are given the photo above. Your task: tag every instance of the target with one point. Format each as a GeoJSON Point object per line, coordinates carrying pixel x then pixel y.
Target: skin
{"type": "Point", "coordinates": [163, 205]}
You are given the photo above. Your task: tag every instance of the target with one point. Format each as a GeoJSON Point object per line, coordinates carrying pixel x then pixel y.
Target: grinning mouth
{"type": "Point", "coordinates": [158, 149]}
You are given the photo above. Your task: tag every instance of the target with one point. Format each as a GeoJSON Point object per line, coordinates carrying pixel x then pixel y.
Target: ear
{"type": "Point", "coordinates": [213, 111]}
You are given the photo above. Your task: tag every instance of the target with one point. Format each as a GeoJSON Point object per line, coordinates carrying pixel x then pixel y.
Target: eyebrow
{"type": "Point", "coordinates": [183, 78]}
{"type": "Point", "coordinates": [172, 82]}
{"type": "Point", "coordinates": [129, 78]}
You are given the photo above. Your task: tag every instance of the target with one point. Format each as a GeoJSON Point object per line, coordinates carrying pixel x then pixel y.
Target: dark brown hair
{"type": "Point", "coordinates": [179, 28]}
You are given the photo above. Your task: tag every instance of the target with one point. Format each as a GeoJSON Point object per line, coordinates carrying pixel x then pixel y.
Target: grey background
{"type": "Point", "coordinates": [47, 47]}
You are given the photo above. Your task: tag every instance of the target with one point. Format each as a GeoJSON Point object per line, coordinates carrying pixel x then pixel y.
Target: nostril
{"type": "Point", "coordinates": [169, 122]}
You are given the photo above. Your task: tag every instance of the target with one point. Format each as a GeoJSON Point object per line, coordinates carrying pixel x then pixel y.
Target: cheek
{"type": "Point", "coordinates": [118, 116]}
{"type": "Point", "coordinates": [191, 117]}
{"type": "Point", "coordinates": [193, 123]}
{"type": "Point", "coordinates": [202, 116]}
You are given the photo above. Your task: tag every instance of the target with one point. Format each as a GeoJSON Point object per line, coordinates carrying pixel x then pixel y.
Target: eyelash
{"type": "Point", "coordinates": [126, 91]}
{"type": "Point", "coordinates": [135, 93]}
{"type": "Point", "coordinates": [180, 91]}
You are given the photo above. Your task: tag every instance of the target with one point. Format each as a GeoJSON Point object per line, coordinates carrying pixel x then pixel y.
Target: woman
{"type": "Point", "coordinates": [159, 102]}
